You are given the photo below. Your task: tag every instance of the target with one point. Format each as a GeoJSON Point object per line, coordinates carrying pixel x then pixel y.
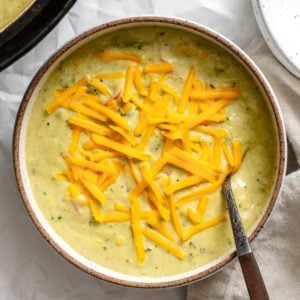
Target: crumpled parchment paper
{"type": "Point", "coordinates": [29, 267]}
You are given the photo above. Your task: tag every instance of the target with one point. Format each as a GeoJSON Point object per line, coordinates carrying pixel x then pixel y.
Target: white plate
{"type": "Point", "coordinates": [279, 23]}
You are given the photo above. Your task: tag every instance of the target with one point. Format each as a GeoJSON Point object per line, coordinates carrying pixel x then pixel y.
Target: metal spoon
{"type": "Point", "coordinates": [254, 281]}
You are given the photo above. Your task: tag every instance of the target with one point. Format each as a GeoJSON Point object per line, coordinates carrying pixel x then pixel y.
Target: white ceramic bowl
{"type": "Point", "coordinates": [23, 181]}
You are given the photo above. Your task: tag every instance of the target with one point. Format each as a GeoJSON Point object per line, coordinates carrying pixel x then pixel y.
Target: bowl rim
{"type": "Point", "coordinates": [216, 38]}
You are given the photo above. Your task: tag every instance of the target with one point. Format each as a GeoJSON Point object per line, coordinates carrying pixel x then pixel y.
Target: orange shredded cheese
{"type": "Point", "coordinates": [111, 179]}
{"type": "Point", "coordinates": [184, 183]}
{"type": "Point", "coordinates": [163, 242]}
{"type": "Point", "coordinates": [175, 218]}
{"type": "Point", "coordinates": [81, 109]}
{"type": "Point", "coordinates": [185, 95]}
{"type": "Point", "coordinates": [106, 145]}
{"type": "Point", "coordinates": [60, 176]}
{"type": "Point", "coordinates": [215, 107]}
{"type": "Point", "coordinates": [66, 94]}
{"type": "Point", "coordinates": [201, 208]}
{"type": "Point", "coordinates": [133, 171]}
{"type": "Point", "coordinates": [114, 75]}
{"type": "Point", "coordinates": [132, 141]}
{"type": "Point", "coordinates": [74, 190]}
{"type": "Point", "coordinates": [75, 140]}
{"type": "Point", "coordinates": [139, 82]}
{"type": "Point", "coordinates": [156, 191]}
{"type": "Point", "coordinates": [167, 89]}
{"type": "Point", "coordinates": [98, 167]}
{"type": "Point", "coordinates": [192, 216]}
{"type": "Point", "coordinates": [158, 68]}
{"type": "Point", "coordinates": [137, 230]}
{"type": "Point", "coordinates": [115, 117]}
{"type": "Point", "coordinates": [95, 208]}
{"type": "Point", "coordinates": [127, 150]}
{"type": "Point", "coordinates": [89, 125]}
{"type": "Point", "coordinates": [157, 87]}
{"type": "Point", "coordinates": [186, 141]}
{"type": "Point", "coordinates": [215, 132]}
{"type": "Point", "coordinates": [191, 164]}
{"type": "Point", "coordinates": [127, 107]}
{"type": "Point", "coordinates": [202, 226]}
{"type": "Point", "coordinates": [237, 153]}
{"type": "Point", "coordinates": [101, 87]}
{"type": "Point", "coordinates": [93, 189]}
{"type": "Point", "coordinates": [199, 193]}
{"type": "Point", "coordinates": [217, 147]}
{"type": "Point", "coordinates": [112, 55]}
{"type": "Point", "coordinates": [228, 155]}
{"type": "Point", "coordinates": [119, 206]}
{"type": "Point", "coordinates": [154, 222]}
{"type": "Point", "coordinates": [99, 155]}
{"type": "Point", "coordinates": [146, 136]}
{"type": "Point", "coordinates": [162, 209]}
{"type": "Point", "coordinates": [214, 94]}
{"type": "Point", "coordinates": [128, 84]}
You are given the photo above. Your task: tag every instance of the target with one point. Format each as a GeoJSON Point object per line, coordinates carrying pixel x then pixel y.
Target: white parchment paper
{"type": "Point", "coordinates": [29, 267]}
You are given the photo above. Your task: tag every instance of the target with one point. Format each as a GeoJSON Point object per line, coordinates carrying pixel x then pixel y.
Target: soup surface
{"type": "Point", "coordinates": [10, 9]}
{"type": "Point", "coordinates": [247, 119]}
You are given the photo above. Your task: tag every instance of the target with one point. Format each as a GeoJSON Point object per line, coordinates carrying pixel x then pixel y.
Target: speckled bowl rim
{"type": "Point", "coordinates": [219, 40]}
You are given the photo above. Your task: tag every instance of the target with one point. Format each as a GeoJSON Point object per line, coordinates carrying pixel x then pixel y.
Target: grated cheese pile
{"type": "Point", "coordinates": [112, 145]}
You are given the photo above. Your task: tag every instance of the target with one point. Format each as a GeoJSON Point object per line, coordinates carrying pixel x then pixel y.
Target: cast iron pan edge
{"type": "Point", "coordinates": [22, 35]}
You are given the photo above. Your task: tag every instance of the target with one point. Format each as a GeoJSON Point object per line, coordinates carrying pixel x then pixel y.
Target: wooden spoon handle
{"type": "Point", "coordinates": [254, 281]}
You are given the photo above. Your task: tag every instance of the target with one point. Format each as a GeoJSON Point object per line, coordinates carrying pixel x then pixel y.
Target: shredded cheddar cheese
{"type": "Point", "coordinates": [158, 68]}
{"type": "Point", "coordinates": [157, 87]}
{"type": "Point", "coordinates": [106, 145]}
{"type": "Point", "coordinates": [88, 125]}
{"type": "Point", "coordinates": [83, 110]}
{"type": "Point", "coordinates": [128, 84]}
{"type": "Point", "coordinates": [139, 82]}
{"type": "Point", "coordinates": [202, 226]}
{"type": "Point", "coordinates": [214, 94]}
{"type": "Point", "coordinates": [185, 95]}
{"type": "Point", "coordinates": [66, 94]}
{"type": "Point", "coordinates": [116, 118]}
{"type": "Point", "coordinates": [163, 242]}
{"type": "Point", "coordinates": [115, 75]}
{"type": "Point", "coordinates": [112, 55]}
{"type": "Point", "coordinates": [101, 87]}
{"type": "Point", "coordinates": [155, 223]}
{"type": "Point", "coordinates": [127, 150]}
{"type": "Point", "coordinates": [75, 140]}
{"type": "Point", "coordinates": [98, 167]}
{"type": "Point", "coordinates": [184, 183]}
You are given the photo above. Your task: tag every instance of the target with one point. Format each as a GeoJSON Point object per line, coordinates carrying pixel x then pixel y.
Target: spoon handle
{"type": "Point", "coordinates": [254, 281]}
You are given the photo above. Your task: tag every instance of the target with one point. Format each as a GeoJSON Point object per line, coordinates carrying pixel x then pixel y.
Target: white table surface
{"type": "Point", "coordinates": [29, 268]}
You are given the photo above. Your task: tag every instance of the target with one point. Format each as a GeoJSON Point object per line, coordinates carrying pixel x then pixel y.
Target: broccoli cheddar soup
{"type": "Point", "coordinates": [10, 9]}
{"type": "Point", "coordinates": [130, 139]}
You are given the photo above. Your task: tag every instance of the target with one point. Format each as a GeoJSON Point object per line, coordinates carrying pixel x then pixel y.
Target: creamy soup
{"type": "Point", "coordinates": [10, 9]}
{"type": "Point", "coordinates": [247, 119]}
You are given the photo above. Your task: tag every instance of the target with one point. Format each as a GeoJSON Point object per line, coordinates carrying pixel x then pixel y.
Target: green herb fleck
{"type": "Point", "coordinates": [192, 245]}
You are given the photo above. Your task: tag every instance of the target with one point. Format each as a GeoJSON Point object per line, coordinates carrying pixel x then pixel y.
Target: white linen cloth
{"type": "Point", "coordinates": [29, 268]}
{"type": "Point", "coordinates": [277, 246]}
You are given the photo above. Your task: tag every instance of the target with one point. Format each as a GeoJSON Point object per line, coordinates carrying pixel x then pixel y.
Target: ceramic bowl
{"type": "Point", "coordinates": [23, 181]}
